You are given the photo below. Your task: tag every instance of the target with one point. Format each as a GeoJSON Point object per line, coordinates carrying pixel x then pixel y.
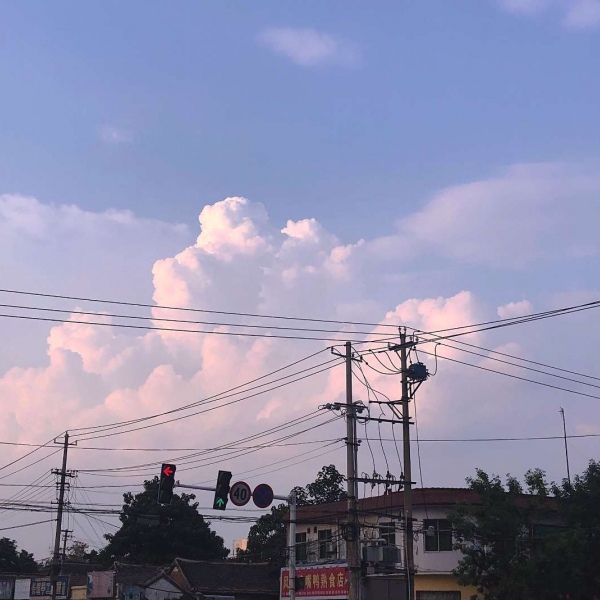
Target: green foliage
{"type": "Point", "coordinates": [78, 552]}
{"type": "Point", "coordinates": [153, 534]}
{"type": "Point", "coordinates": [531, 546]}
{"type": "Point", "coordinates": [327, 487]}
{"type": "Point", "coordinates": [267, 540]}
{"type": "Point", "coordinates": [13, 560]}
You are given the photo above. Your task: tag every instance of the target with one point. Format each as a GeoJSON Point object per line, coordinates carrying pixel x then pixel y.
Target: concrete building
{"type": "Point", "coordinates": [319, 539]}
{"type": "Point", "coordinates": [239, 545]}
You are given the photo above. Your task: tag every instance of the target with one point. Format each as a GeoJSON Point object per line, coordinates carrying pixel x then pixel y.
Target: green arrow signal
{"type": "Point", "coordinates": [220, 502]}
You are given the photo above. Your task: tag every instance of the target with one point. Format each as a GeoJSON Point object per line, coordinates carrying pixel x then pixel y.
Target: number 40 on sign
{"type": "Point", "coordinates": [240, 493]}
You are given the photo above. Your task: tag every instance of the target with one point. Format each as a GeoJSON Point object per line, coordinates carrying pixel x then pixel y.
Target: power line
{"type": "Point", "coordinates": [548, 385]}
{"type": "Point", "coordinates": [173, 329]}
{"type": "Point", "coordinates": [195, 310]}
{"type": "Point", "coordinates": [103, 435]}
{"type": "Point", "coordinates": [26, 525]}
{"type": "Point", "coordinates": [187, 321]}
{"type": "Point", "coordinates": [221, 395]}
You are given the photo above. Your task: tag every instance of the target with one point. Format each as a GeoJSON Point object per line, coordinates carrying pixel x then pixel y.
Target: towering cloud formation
{"type": "Point", "coordinates": [485, 234]}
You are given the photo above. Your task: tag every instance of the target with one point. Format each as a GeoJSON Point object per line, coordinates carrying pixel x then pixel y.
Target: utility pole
{"type": "Point", "coordinates": [66, 535]}
{"type": "Point", "coordinates": [353, 543]}
{"type": "Point", "coordinates": [562, 412]}
{"type": "Point", "coordinates": [409, 541]}
{"type": "Point", "coordinates": [59, 513]}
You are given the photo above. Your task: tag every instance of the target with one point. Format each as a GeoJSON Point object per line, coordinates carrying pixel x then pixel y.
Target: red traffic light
{"type": "Point", "coordinates": [168, 470]}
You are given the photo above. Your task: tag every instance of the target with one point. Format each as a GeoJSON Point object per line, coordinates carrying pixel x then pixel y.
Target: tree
{"type": "Point", "coordinates": [78, 552]}
{"type": "Point", "coordinates": [327, 487]}
{"type": "Point", "coordinates": [153, 534]}
{"type": "Point", "coordinates": [540, 545]}
{"type": "Point", "coordinates": [267, 538]}
{"type": "Point", "coordinates": [574, 554]}
{"type": "Point", "coordinates": [15, 561]}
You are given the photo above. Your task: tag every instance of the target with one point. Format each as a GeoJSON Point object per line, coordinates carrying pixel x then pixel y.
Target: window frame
{"type": "Point", "coordinates": [391, 532]}
{"type": "Point", "coordinates": [323, 541]}
{"type": "Point", "coordinates": [301, 546]}
{"type": "Point", "coordinates": [439, 531]}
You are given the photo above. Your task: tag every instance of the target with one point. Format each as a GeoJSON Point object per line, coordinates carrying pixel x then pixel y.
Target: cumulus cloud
{"type": "Point", "coordinates": [576, 14]}
{"type": "Point", "coordinates": [515, 309]}
{"type": "Point", "coordinates": [240, 261]}
{"type": "Point", "coordinates": [308, 47]}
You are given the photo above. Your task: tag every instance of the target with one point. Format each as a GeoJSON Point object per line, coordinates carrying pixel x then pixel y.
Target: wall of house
{"type": "Point", "coordinates": [439, 561]}
{"type": "Point", "coordinates": [79, 592]}
{"type": "Point", "coordinates": [442, 583]}
{"type": "Point", "coordinates": [162, 589]}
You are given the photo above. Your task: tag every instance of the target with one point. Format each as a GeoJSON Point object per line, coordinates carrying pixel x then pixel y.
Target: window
{"type": "Point", "coordinates": [301, 547]}
{"type": "Point", "coordinates": [387, 532]}
{"type": "Point", "coordinates": [438, 595]}
{"type": "Point", "coordinates": [438, 535]}
{"type": "Point", "coordinates": [325, 544]}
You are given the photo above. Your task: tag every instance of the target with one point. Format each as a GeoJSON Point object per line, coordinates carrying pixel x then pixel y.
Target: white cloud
{"type": "Point", "coordinates": [508, 221]}
{"type": "Point", "coordinates": [110, 134]}
{"type": "Point", "coordinates": [583, 14]}
{"type": "Point", "coordinates": [525, 7]}
{"type": "Point", "coordinates": [515, 309]}
{"type": "Point", "coordinates": [308, 47]}
{"type": "Point", "coordinates": [576, 14]}
{"type": "Point", "coordinates": [239, 261]}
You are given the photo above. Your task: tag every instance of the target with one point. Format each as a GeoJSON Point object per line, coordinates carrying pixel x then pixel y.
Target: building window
{"type": "Point", "coordinates": [301, 547]}
{"type": "Point", "coordinates": [325, 543]}
{"type": "Point", "coordinates": [387, 532]}
{"type": "Point", "coordinates": [438, 595]}
{"type": "Point", "coordinates": [438, 535]}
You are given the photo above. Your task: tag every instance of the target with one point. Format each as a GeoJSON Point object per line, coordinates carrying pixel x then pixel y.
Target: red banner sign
{"type": "Point", "coordinates": [324, 581]}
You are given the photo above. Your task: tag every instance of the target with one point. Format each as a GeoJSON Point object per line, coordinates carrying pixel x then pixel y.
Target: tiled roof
{"type": "Point", "coordinates": [422, 497]}
{"type": "Point", "coordinates": [135, 574]}
{"type": "Point", "coordinates": [229, 577]}
{"type": "Point", "coordinates": [395, 500]}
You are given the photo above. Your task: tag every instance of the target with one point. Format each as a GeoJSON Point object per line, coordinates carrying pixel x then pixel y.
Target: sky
{"type": "Point", "coordinates": [429, 164]}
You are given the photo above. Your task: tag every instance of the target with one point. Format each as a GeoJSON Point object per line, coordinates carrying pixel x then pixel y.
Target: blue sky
{"type": "Point", "coordinates": [433, 163]}
{"type": "Point", "coordinates": [437, 93]}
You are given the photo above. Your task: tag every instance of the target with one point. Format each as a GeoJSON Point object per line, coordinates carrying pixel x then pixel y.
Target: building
{"type": "Point", "coordinates": [320, 539]}
{"type": "Point", "coordinates": [242, 581]}
{"type": "Point", "coordinates": [239, 545]}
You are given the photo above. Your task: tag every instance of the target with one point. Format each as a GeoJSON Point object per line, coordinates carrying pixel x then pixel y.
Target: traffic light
{"type": "Point", "coordinates": [167, 481]}
{"type": "Point", "coordinates": [222, 491]}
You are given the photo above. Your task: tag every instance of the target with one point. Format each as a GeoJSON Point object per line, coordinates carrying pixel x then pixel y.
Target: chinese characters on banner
{"type": "Point", "coordinates": [41, 587]}
{"type": "Point", "coordinates": [324, 581]}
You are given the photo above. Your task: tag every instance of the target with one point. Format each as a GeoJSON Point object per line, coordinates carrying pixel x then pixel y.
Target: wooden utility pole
{"type": "Point", "coordinates": [409, 540]}
{"type": "Point", "coordinates": [353, 542]}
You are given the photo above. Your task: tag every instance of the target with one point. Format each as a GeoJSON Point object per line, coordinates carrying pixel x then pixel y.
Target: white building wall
{"type": "Point", "coordinates": [162, 590]}
{"type": "Point", "coordinates": [432, 562]}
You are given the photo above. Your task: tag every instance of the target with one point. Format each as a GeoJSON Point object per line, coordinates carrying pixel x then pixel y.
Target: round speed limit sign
{"type": "Point", "coordinates": [240, 493]}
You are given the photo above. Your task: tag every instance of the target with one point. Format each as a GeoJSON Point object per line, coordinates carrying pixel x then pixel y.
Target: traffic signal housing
{"type": "Point", "coordinates": [222, 490]}
{"type": "Point", "coordinates": [167, 481]}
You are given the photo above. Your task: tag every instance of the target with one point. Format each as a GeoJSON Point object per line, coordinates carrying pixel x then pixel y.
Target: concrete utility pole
{"type": "Point", "coordinates": [409, 541]}
{"type": "Point", "coordinates": [562, 412]}
{"type": "Point", "coordinates": [353, 543]}
{"type": "Point", "coordinates": [59, 514]}
{"type": "Point", "coordinates": [66, 534]}
{"type": "Point", "coordinates": [292, 543]}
